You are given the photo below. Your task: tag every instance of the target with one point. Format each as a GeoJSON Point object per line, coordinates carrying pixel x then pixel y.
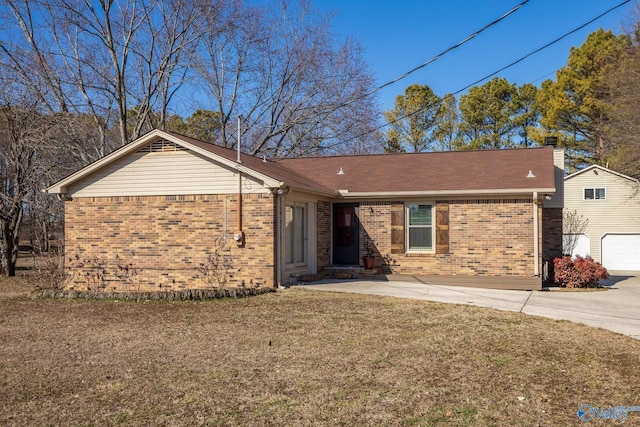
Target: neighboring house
{"type": "Point", "coordinates": [170, 212]}
{"type": "Point", "coordinates": [610, 201]}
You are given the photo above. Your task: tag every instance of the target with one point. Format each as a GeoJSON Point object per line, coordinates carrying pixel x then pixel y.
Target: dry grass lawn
{"type": "Point", "coordinates": [300, 357]}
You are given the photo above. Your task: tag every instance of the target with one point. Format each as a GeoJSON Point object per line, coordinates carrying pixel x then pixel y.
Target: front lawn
{"type": "Point", "coordinates": [300, 357]}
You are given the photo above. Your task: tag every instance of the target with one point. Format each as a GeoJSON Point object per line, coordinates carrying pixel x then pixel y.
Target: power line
{"type": "Point", "coordinates": [551, 43]}
{"type": "Point", "coordinates": [517, 61]}
{"type": "Point", "coordinates": [449, 49]}
{"type": "Point", "coordinates": [424, 64]}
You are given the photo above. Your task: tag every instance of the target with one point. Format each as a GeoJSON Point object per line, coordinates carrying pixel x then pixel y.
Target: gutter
{"type": "Point", "coordinates": [483, 192]}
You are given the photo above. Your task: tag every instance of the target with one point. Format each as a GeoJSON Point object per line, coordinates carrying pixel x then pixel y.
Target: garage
{"type": "Point", "coordinates": [621, 251]}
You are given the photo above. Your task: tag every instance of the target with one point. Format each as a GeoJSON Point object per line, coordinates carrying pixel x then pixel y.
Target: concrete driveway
{"type": "Point", "coordinates": [616, 309]}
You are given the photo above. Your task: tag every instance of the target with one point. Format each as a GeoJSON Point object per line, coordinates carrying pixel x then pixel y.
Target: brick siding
{"type": "Point", "coordinates": [324, 234]}
{"type": "Point", "coordinates": [486, 237]}
{"type": "Point", "coordinates": [551, 233]}
{"type": "Point", "coordinates": [155, 243]}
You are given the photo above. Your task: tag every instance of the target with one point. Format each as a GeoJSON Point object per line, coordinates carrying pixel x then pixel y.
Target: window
{"type": "Point", "coordinates": [296, 234]}
{"type": "Point", "coordinates": [594, 194]}
{"type": "Point", "coordinates": [420, 228]}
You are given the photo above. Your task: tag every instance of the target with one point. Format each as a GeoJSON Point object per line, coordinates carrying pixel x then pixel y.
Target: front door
{"type": "Point", "coordinates": [346, 234]}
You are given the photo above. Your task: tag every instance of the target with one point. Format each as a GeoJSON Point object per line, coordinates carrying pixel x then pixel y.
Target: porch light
{"type": "Point", "coordinates": [531, 175]}
{"type": "Point", "coordinates": [340, 172]}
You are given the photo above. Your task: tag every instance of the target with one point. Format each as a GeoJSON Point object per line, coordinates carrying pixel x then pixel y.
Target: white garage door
{"type": "Point", "coordinates": [580, 243]}
{"type": "Point", "coordinates": [621, 251]}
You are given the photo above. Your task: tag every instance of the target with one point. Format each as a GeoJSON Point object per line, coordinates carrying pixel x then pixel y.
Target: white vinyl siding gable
{"type": "Point", "coordinates": [162, 173]}
{"type": "Point", "coordinates": [618, 212]}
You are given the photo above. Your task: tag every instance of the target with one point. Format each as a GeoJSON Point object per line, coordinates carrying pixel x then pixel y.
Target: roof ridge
{"type": "Point", "coordinates": [424, 153]}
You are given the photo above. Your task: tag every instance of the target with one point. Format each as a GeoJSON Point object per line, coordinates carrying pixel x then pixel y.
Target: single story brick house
{"type": "Point", "coordinates": [168, 212]}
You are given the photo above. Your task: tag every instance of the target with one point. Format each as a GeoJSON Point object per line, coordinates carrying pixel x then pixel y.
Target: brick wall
{"type": "Point", "coordinates": [324, 234]}
{"type": "Point", "coordinates": [156, 243]}
{"type": "Point", "coordinates": [486, 237]}
{"type": "Point", "coordinates": [551, 233]}
{"type": "Point", "coordinates": [375, 231]}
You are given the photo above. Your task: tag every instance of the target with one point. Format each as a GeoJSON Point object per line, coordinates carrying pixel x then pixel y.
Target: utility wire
{"type": "Point", "coordinates": [565, 35]}
{"type": "Point", "coordinates": [433, 59]}
{"type": "Point", "coordinates": [517, 61]}
{"type": "Point", "coordinates": [444, 52]}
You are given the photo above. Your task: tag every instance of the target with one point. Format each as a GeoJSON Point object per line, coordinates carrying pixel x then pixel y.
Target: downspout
{"type": "Point", "coordinates": [536, 237]}
{"type": "Point", "coordinates": [239, 202]}
{"type": "Point", "coordinates": [278, 245]}
{"type": "Point", "coordinates": [279, 249]}
{"type": "Point", "coordinates": [239, 235]}
{"type": "Point", "coordinates": [224, 235]}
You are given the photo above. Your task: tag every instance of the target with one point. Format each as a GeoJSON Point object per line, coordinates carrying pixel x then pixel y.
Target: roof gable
{"type": "Point", "coordinates": [161, 140]}
{"type": "Point", "coordinates": [603, 169]}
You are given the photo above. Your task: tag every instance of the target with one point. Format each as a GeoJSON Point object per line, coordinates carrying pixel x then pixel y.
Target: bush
{"type": "Point", "coordinates": [50, 273]}
{"type": "Point", "coordinates": [578, 273]}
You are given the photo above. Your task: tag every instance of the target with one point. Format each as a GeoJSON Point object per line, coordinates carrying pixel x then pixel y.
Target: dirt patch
{"type": "Point", "coordinates": [13, 287]}
{"type": "Point", "coordinates": [299, 357]}
{"type": "Point", "coordinates": [603, 289]}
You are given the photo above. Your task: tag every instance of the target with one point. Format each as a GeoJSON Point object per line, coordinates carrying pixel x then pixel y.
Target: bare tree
{"type": "Point", "coordinates": [24, 132]}
{"type": "Point", "coordinates": [163, 52]}
{"type": "Point", "coordinates": [127, 64]}
{"type": "Point", "coordinates": [225, 68]}
{"type": "Point", "coordinates": [573, 226]}
{"type": "Point", "coordinates": [284, 71]}
{"type": "Point", "coordinates": [45, 61]}
{"type": "Point", "coordinates": [100, 59]}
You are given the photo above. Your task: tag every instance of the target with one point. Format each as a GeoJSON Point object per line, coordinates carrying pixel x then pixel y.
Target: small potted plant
{"type": "Point", "coordinates": [369, 260]}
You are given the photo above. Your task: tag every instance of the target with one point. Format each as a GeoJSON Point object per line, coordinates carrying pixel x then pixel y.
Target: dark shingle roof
{"type": "Point", "coordinates": [271, 169]}
{"type": "Point", "coordinates": [487, 171]}
{"type": "Point", "coordinates": [454, 171]}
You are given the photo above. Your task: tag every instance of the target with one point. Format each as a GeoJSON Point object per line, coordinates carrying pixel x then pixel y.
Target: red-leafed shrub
{"type": "Point", "coordinates": [578, 273]}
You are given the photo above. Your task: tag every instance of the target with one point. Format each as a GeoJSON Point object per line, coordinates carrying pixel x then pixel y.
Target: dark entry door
{"type": "Point", "coordinates": [346, 234]}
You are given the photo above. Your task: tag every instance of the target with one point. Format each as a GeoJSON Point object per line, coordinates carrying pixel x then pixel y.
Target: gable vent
{"type": "Point", "coordinates": [161, 146]}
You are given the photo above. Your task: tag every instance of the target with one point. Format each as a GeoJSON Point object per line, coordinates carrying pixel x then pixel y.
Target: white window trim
{"type": "Point", "coordinates": [584, 198]}
{"type": "Point", "coordinates": [433, 229]}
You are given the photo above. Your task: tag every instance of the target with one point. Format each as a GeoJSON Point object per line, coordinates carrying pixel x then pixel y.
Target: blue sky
{"type": "Point", "coordinates": [399, 35]}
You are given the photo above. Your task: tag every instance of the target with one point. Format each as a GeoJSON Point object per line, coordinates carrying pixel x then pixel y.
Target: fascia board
{"type": "Point", "coordinates": [485, 192]}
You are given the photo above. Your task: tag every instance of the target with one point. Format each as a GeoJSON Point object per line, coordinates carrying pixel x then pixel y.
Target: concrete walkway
{"type": "Point", "coordinates": [616, 309]}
